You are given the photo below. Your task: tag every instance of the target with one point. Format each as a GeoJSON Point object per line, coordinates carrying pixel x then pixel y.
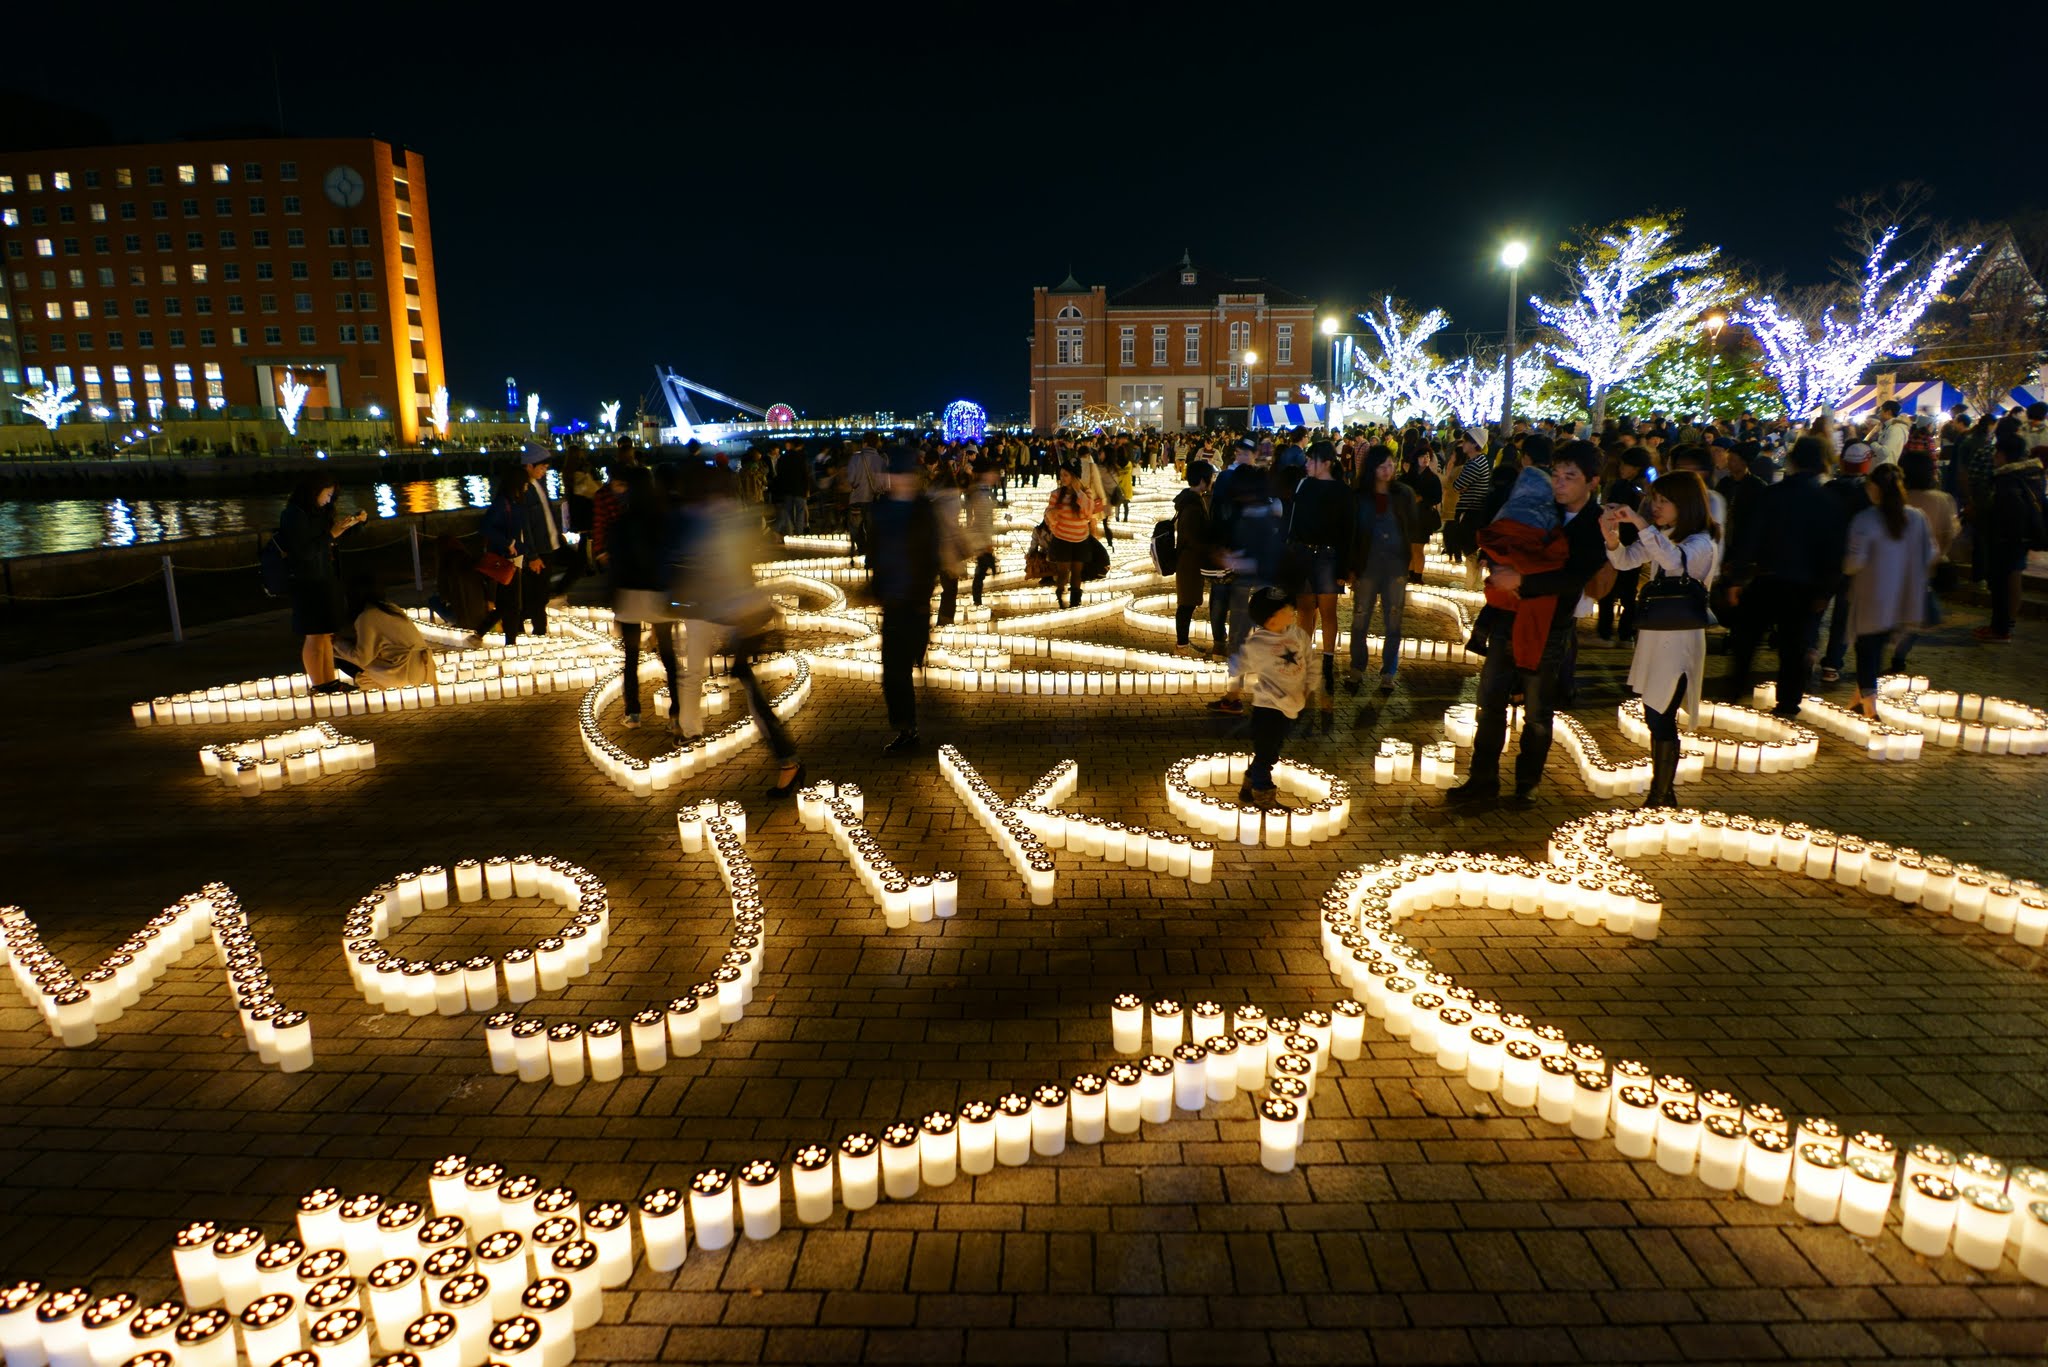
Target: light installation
{"type": "Point", "coordinates": [1816, 362]}
{"type": "Point", "coordinates": [291, 397]}
{"type": "Point", "coordinates": [51, 404]}
{"type": "Point", "coordinates": [1204, 1057]}
{"type": "Point", "coordinates": [439, 411]}
{"type": "Point", "coordinates": [963, 420]}
{"type": "Point", "coordinates": [608, 414]}
{"type": "Point", "coordinates": [532, 411]}
{"type": "Point", "coordinates": [1401, 373]}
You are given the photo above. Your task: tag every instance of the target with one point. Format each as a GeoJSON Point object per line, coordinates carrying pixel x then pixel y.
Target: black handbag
{"type": "Point", "coordinates": [1672, 602]}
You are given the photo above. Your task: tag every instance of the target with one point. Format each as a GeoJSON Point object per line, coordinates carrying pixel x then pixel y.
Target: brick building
{"type": "Point", "coordinates": [1169, 349]}
{"type": "Point", "coordinates": [196, 276]}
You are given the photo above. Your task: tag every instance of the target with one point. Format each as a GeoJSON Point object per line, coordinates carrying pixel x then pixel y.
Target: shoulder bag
{"type": "Point", "coordinates": [1672, 602]}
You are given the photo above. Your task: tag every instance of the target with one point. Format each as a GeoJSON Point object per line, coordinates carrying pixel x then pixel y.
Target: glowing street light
{"type": "Point", "coordinates": [1512, 255]}
{"type": "Point", "coordinates": [1251, 358]}
{"type": "Point", "coordinates": [1715, 320]}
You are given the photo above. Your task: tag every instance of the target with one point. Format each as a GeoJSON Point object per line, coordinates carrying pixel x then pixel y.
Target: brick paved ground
{"type": "Point", "coordinates": [1422, 1225]}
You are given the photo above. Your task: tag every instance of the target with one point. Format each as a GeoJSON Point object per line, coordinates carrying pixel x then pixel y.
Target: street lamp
{"type": "Point", "coordinates": [1512, 255]}
{"type": "Point", "coordinates": [1715, 320]}
{"type": "Point", "coordinates": [1331, 328]}
{"type": "Point", "coordinates": [1251, 358]}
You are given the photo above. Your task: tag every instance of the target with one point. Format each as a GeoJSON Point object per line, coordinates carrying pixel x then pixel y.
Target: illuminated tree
{"type": "Point", "coordinates": [51, 404]}
{"type": "Point", "coordinates": [608, 413]}
{"type": "Point", "coordinates": [439, 411]}
{"type": "Point", "coordinates": [1816, 357]}
{"type": "Point", "coordinates": [1471, 390]}
{"type": "Point", "coordinates": [291, 396]}
{"type": "Point", "coordinates": [1402, 371]}
{"type": "Point", "coordinates": [1677, 379]}
{"type": "Point", "coordinates": [532, 411]}
{"type": "Point", "coordinates": [1632, 293]}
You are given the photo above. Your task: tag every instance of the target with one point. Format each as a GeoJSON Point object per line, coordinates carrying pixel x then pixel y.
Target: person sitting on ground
{"type": "Point", "coordinates": [1275, 656]}
{"type": "Point", "coordinates": [385, 648]}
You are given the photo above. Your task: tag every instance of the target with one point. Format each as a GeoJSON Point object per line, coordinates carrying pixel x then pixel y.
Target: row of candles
{"type": "Point", "coordinates": [1395, 762]}
{"type": "Point", "coordinates": [1013, 835]}
{"type": "Point", "coordinates": [1324, 812]}
{"type": "Point", "coordinates": [1968, 721]}
{"type": "Point", "coordinates": [74, 1007]}
{"type": "Point", "coordinates": [902, 898]}
{"type": "Point", "coordinates": [451, 987]}
{"type": "Point", "coordinates": [642, 777]}
{"type": "Point", "coordinates": [1760, 744]}
{"type": "Point", "coordinates": [1115, 842]}
{"type": "Point", "coordinates": [300, 755]}
{"type": "Point", "coordinates": [1972, 1202]}
{"type": "Point", "coordinates": [1154, 613]}
{"type": "Point", "coordinates": [1877, 739]}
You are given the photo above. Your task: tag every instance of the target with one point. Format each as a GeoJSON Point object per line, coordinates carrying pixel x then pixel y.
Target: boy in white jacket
{"type": "Point", "coordinates": [1275, 654]}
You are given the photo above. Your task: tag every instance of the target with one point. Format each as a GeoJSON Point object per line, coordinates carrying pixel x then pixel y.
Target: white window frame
{"type": "Point", "coordinates": [1127, 345]}
{"type": "Point", "coordinates": [1283, 344]}
{"type": "Point", "coordinates": [1191, 344]}
{"type": "Point", "coordinates": [1159, 334]}
{"type": "Point", "coordinates": [1068, 345]}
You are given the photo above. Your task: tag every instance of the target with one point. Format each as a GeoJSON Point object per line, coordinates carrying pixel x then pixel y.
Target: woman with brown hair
{"type": "Point", "coordinates": [1890, 559]}
{"type": "Point", "coordinates": [1679, 539]}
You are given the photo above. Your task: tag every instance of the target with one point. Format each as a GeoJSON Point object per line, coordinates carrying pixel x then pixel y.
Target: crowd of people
{"type": "Point", "coordinates": [1814, 539]}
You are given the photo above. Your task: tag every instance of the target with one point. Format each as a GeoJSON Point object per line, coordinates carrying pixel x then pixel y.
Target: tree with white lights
{"type": "Point", "coordinates": [1471, 390]}
{"type": "Point", "coordinates": [532, 411]}
{"type": "Point", "coordinates": [439, 411]}
{"type": "Point", "coordinates": [1816, 357]}
{"type": "Point", "coordinates": [1632, 292]}
{"type": "Point", "coordinates": [51, 404]}
{"type": "Point", "coordinates": [291, 397]}
{"type": "Point", "coordinates": [608, 413]}
{"type": "Point", "coordinates": [1402, 370]}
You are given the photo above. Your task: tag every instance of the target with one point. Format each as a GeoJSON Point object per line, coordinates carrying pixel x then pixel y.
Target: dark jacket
{"type": "Point", "coordinates": [504, 528]}
{"type": "Point", "coordinates": [1585, 553]}
{"type": "Point", "coordinates": [906, 555]}
{"type": "Point", "coordinates": [1802, 536]}
{"type": "Point", "coordinates": [1192, 549]}
{"type": "Point", "coordinates": [636, 554]}
{"type": "Point", "coordinates": [1745, 521]}
{"type": "Point", "coordinates": [1407, 513]}
{"type": "Point", "coordinates": [792, 475]}
{"type": "Point", "coordinates": [307, 538]}
{"type": "Point", "coordinates": [1321, 516]}
{"type": "Point", "coordinates": [2015, 525]}
{"type": "Point", "coordinates": [534, 514]}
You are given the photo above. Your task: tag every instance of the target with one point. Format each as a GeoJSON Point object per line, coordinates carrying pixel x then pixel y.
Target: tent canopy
{"type": "Point", "coordinates": [1275, 416]}
{"type": "Point", "coordinates": [1916, 396]}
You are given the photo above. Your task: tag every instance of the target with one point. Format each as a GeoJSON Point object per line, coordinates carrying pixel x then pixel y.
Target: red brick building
{"type": "Point", "coordinates": [1170, 348]}
{"type": "Point", "coordinates": [194, 277]}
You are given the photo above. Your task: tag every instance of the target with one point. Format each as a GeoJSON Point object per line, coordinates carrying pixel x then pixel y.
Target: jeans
{"type": "Point", "coordinates": [793, 516]}
{"type": "Point", "coordinates": [1780, 606]}
{"type": "Point", "coordinates": [1387, 586]}
{"type": "Point", "coordinates": [857, 525]}
{"type": "Point", "coordinates": [664, 649]}
{"type": "Point", "coordinates": [1498, 679]}
{"type": "Point", "coordinates": [1869, 657]}
{"type": "Point", "coordinates": [1269, 727]}
{"type": "Point", "coordinates": [1663, 725]}
{"type": "Point", "coordinates": [906, 630]}
{"type": "Point", "coordinates": [984, 566]}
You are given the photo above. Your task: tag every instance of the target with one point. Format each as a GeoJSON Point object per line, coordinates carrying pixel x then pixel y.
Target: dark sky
{"type": "Point", "coordinates": [848, 213]}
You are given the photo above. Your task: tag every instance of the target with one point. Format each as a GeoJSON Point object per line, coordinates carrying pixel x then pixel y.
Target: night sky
{"type": "Point", "coordinates": [849, 213]}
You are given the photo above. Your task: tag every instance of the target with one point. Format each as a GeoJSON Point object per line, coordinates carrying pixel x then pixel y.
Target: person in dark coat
{"type": "Point", "coordinates": [1192, 554]}
{"type": "Point", "coordinates": [637, 562]}
{"type": "Point", "coordinates": [524, 527]}
{"type": "Point", "coordinates": [905, 562]}
{"type": "Point", "coordinates": [2013, 525]}
{"type": "Point", "coordinates": [306, 532]}
{"type": "Point", "coordinates": [792, 488]}
{"type": "Point", "coordinates": [1782, 576]}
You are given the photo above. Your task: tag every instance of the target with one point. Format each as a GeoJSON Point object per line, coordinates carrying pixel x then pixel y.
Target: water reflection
{"type": "Point", "coordinates": [37, 527]}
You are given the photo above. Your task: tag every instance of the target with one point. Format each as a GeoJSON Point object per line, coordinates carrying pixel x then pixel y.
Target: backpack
{"type": "Point", "coordinates": [273, 571]}
{"type": "Point", "coordinates": [1920, 439]}
{"type": "Point", "coordinates": [1165, 554]}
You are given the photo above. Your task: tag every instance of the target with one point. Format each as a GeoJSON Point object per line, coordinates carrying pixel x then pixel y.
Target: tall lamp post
{"type": "Point", "coordinates": [1715, 320]}
{"type": "Point", "coordinates": [1512, 255]}
{"type": "Point", "coordinates": [1251, 358]}
{"type": "Point", "coordinates": [1330, 328]}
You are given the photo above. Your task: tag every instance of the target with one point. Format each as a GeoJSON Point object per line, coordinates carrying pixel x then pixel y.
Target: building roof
{"type": "Point", "coordinates": [1166, 290]}
{"type": "Point", "coordinates": [1070, 285]}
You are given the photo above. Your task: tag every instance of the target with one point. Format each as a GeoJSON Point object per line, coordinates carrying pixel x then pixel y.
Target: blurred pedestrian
{"type": "Point", "coordinates": [905, 565]}
{"type": "Point", "coordinates": [1890, 561]}
{"type": "Point", "coordinates": [637, 565]}
{"type": "Point", "coordinates": [306, 531]}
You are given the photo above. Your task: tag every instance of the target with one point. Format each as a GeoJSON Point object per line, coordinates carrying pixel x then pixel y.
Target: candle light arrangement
{"type": "Point", "coordinates": [285, 759]}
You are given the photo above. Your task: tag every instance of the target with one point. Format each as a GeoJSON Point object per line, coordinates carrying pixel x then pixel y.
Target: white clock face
{"type": "Point", "coordinates": [344, 187]}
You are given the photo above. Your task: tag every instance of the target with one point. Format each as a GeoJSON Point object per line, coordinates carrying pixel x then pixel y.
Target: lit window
{"type": "Point", "coordinates": [135, 276]}
{"type": "Point", "coordinates": [44, 247]}
{"type": "Point", "coordinates": [6, 185]}
{"type": "Point", "coordinates": [91, 376]}
{"type": "Point", "coordinates": [220, 173]}
{"type": "Point", "coordinates": [35, 182]}
{"type": "Point", "coordinates": [10, 218]}
{"type": "Point", "coordinates": [216, 389]}
{"type": "Point", "coordinates": [199, 273]}
{"type": "Point", "coordinates": [123, 177]}
{"type": "Point", "coordinates": [81, 308]}
{"type": "Point", "coordinates": [238, 336]}
{"type": "Point", "coordinates": [188, 175]}
{"type": "Point", "coordinates": [53, 309]}
{"type": "Point", "coordinates": [97, 213]}
{"type": "Point", "coordinates": [77, 279]}
{"type": "Point", "coordinates": [60, 180]}
{"type": "Point", "coordinates": [167, 274]}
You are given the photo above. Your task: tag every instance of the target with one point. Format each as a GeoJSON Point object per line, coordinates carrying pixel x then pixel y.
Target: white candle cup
{"type": "Point", "coordinates": [1049, 1119]}
{"type": "Point", "coordinates": [1635, 1121]}
{"type": "Point", "coordinates": [1168, 1025]}
{"type": "Point", "coordinates": [1722, 1147]}
{"type": "Point", "coordinates": [341, 1338]}
{"type": "Point", "coordinates": [606, 1042]}
{"type": "Point", "coordinates": [1590, 1104]}
{"type": "Point", "coordinates": [205, 1338]}
{"type": "Point", "coordinates": [234, 1255]}
{"type": "Point", "coordinates": [899, 1161]}
{"type": "Point", "coordinates": [1124, 1108]}
{"type": "Point", "coordinates": [1251, 1056]}
{"type": "Point", "coordinates": [860, 1171]}
{"type": "Point", "coordinates": [711, 1207]}
{"type": "Point", "coordinates": [1127, 1023]}
{"type": "Point", "coordinates": [1866, 1196]}
{"type": "Point", "coordinates": [1013, 1130]}
{"type": "Point", "coordinates": [397, 1296]}
{"type": "Point", "coordinates": [192, 1257]}
{"type": "Point", "coordinates": [760, 1198]}
{"type": "Point", "coordinates": [1766, 1166]}
{"type": "Point", "coordinates": [1155, 1090]}
{"type": "Point", "coordinates": [977, 1130]}
{"type": "Point", "coordinates": [565, 1053]}
{"type": "Point", "coordinates": [1190, 1077]}
{"type": "Point", "coordinates": [650, 1040]}
{"type": "Point", "coordinates": [938, 1149]}
{"type": "Point", "coordinates": [663, 1233]}
{"type": "Point", "coordinates": [106, 1328]}
{"type": "Point", "coordinates": [517, 1341]}
{"type": "Point", "coordinates": [1555, 1088]}
{"type": "Point", "coordinates": [466, 1298]}
{"type": "Point", "coordinates": [684, 1026]}
{"type": "Point", "coordinates": [1680, 1128]}
{"type": "Point", "coordinates": [270, 1328]}
{"type": "Point", "coordinates": [1279, 1131]}
{"type": "Point", "coordinates": [810, 1180]}
{"type": "Point", "coordinates": [1983, 1221]}
{"type": "Point", "coordinates": [1930, 1208]}
{"type": "Point", "coordinates": [2032, 1256]}
{"type": "Point", "coordinates": [529, 1037]}
{"type": "Point", "coordinates": [1817, 1179]}
{"type": "Point", "coordinates": [1220, 1069]}
{"type": "Point", "coordinates": [1088, 1103]}
{"type": "Point", "coordinates": [550, 1302]}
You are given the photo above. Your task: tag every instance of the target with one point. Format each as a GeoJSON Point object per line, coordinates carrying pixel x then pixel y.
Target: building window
{"type": "Point", "coordinates": [257, 205]}
{"type": "Point", "coordinates": [344, 302]}
{"type": "Point", "coordinates": [1239, 331]}
{"type": "Point", "coordinates": [128, 212]}
{"type": "Point", "coordinates": [1127, 345]}
{"type": "Point", "coordinates": [158, 209]}
{"type": "Point", "coordinates": [1065, 402]}
{"type": "Point", "coordinates": [97, 213]}
{"type": "Point", "coordinates": [266, 303]}
{"type": "Point", "coordinates": [287, 170]}
{"type": "Point", "coordinates": [6, 187]}
{"type": "Point", "coordinates": [252, 170]}
{"type": "Point", "coordinates": [227, 239]}
{"type": "Point", "coordinates": [67, 213]}
{"type": "Point", "coordinates": [291, 204]}
{"type": "Point", "coordinates": [337, 237]}
{"type": "Point", "coordinates": [60, 180]}
{"type": "Point", "coordinates": [10, 218]}
{"type": "Point", "coordinates": [85, 341]}
{"type": "Point", "coordinates": [163, 242]}
{"type": "Point", "coordinates": [265, 271]}
{"type": "Point", "coordinates": [220, 173]}
{"type": "Point", "coordinates": [299, 270]}
{"type": "Point", "coordinates": [231, 270]}
{"type": "Point", "coordinates": [203, 304]}
{"type": "Point", "coordinates": [177, 336]}
{"type": "Point", "coordinates": [154, 175]}
{"type": "Point", "coordinates": [294, 237]}
{"type": "Point", "coordinates": [174, 307]}
{"type": "Point", "coordinates": [365, 269]}
{"type": "Point", "coordinates": [141, 308]}
{"type": "Point", "coordinates": [57, 341]}
{"type": "Point", "coordinates": [1068, 344]}
{"type": "Point", "coordinates": [302, 303]}
{"type": "Point", "coordinates": [137, 276]}
{"type": "Point", "coordinates": [169, 274]}
{"type": "Point", "coordinates": [102, 245]}
{"type": "Point", "coordinates": [106, 278]}
{"type": "Point", "coordinates": [337, 270]}
{"type": "Point", "coordinates": [306, 335]}
{"type": "Point", "coordinates": [1283, 345]}
{"type": "Point", "coordinates": [195, 242]}
{"type": "Point", "coordinates": [234, 303]}
{"type": "Point", "coordinates": [189, 208]}
{"type": "Point", "coordinates": [223, 206]}
{"type": "Point", "coordinates": [259, 237]}
{"type": "Point", "coordinates": [238, 336]}
{"type": "Point", "coordinates": [1159, 346]}
{"type": "Point", "coordinates": [35, 182]}
{"type": "Point", "coordinates": [198, 270]}
{"type": "Point", "coordinates": [80, 309]}
{"type": "Point", "coordinates": [216, 389]}
{"type": "Point", "coordinates": [70, 246]}
{"type": "Point", "coordinates": [91, 376]}
{"type": "Point", "coordinates": [53, 310]}
{"type": "Point", "coordinates": [188, 175]}
{"type": "Point", "coordinates": [144, 337]}
{"type": "Point", "coordinates": [366, 303]}
{"type": "Point", "coordinates": [273, 336]}
{"type": "Point", "coordinates": [110, 308]}
{"type": "Point", "coordinates": [348, 332]}
{"type": "Point", "coordinates": [45, 247]}
{"type": "Point", "coordinates": [359, 237]}
{"type": "Point", "coordinates": [131, 242]}
{"type": "Point", "coordinates": [372, 333]}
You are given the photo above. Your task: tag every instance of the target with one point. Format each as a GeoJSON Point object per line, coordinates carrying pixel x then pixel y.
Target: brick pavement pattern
{"type": "Point", "coordinates": [1425, 1223]}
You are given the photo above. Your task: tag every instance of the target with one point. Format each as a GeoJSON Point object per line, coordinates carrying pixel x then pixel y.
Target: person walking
{"type": "Point", "coordinates": [946, 494]}
{"type": "Point", "coordinates": [522, 527]}
{"type": "Point", "coordinates": [1386, 521]}
{"type": "Point", "coordinates": [905, 563]}
{"type": "Point", "coordinates": [2014, 523]}
{"type": "Point", "coordinates": [1848, 491]}
{"type": "Point", "coordinates": [1071, 516]}
{"type": "Point", "coordinates": [306, 532]}
{"type": "Point", "coordinates": [1890, 559]}
{"type": "Point", "coordinates": [1785, 574]}
{"type": "Point", "coordinates": [1252, 545]}
{"type": "Point", "coordinates": [791, 485]}
{"type": "Point", "coordinates": [1676, 537]}
{"type": "Point", "coordinates": [1193, 553]}
{"type": "Point", "coordinates": [637, 563]}
{"type": "Point", "coordinates": [980, 532]}
{"type": "Point", "coordinates": [866, 476]}
{"type": "Point", "coordinates": [1319, 530]}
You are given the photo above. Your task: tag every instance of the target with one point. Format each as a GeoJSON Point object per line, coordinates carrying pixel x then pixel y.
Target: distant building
{"type": "Point", "coordinates": [193, 277]}
{"type": "Point", "coordinates": [1170, 349]}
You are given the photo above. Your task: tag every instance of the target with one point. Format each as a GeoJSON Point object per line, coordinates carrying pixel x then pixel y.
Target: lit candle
{"type": "Point", "coordinates": [899, 1160]}
{"type": "Point", "coordinates": [1930, 1213]}
{"type": "Point", "coordinates": [397, 1296]}
{"type": "Point", "coordinates": [106, 1328]}
{"type": "Point", "coordinates": [340, 1338]}
{"type": "Point", "coordinates": [1680, 1130]}
{"type": "Point", "coordinates": [1278, 1134]}
{"type": "Point", "coordinates": [860, 1171]}
{"type": "Point", "coordinates": [21, 1337]}
{"type": "Point", "coordinates": [1125, 1087]}
{"type": "Point", "coordinates": [1767, 1166]}
{"type": "Point", "coordinates": [1866, 1196]}
{"type": "Point", "coordinates": [192, 1257]}
{"type": "Point", "coordinates": [270, 1328]}
{"type": "Point", "coordinates": [234, 1258]}
{"type": "Point", "coordinates": [467, 1299]}
{"type": "Point", "coordinates": [1555, 1087]}
{"type": "Point", "coordinates": [153, 1330]}
{"type": "Point", "coordinates": [1127, 1023]}
{"type": "Point", "coordinates": [1590, 1103]}
{"type": "Point", "coordinates": [1168, 1025]}
{"type": "Point", "coordinates": [1221, 1067]}
{"type": "Point", "coordinates": [1013, 1129]}
{"type": "Point", "coordinates": [1721, 1149]}
{"type": "Point", "coordinates": [662, 1231]}
{"type": "Point", "coordinates": [1817, 1180]}
{"type": "Point", "coordinates": [1635, 1121]}
{"type": "Point", "coordinates": [2033, 1248]}
{"type": "Point", "coordinates": [548, 1302]}
{"type": "Point", "coordinates": [1155, 1092]}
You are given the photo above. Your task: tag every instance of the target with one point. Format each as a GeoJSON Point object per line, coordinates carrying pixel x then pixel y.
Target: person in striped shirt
{"type": "Point", "coordinates": [1071, 515]}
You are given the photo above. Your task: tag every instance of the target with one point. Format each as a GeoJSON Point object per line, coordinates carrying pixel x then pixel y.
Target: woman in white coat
{"type": "Point", "coordinates": [1891, 557]}
{"type": "Point", "coordinates": [1675, 535]}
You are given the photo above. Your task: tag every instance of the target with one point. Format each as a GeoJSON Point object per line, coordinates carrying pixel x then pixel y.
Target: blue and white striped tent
{"type": "Point", "coordinates": [1917, 396]}
{"type": "Point", "coordinates": [2023, 398]}
{"type": "Point", "coordinates": [1274, 416]}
